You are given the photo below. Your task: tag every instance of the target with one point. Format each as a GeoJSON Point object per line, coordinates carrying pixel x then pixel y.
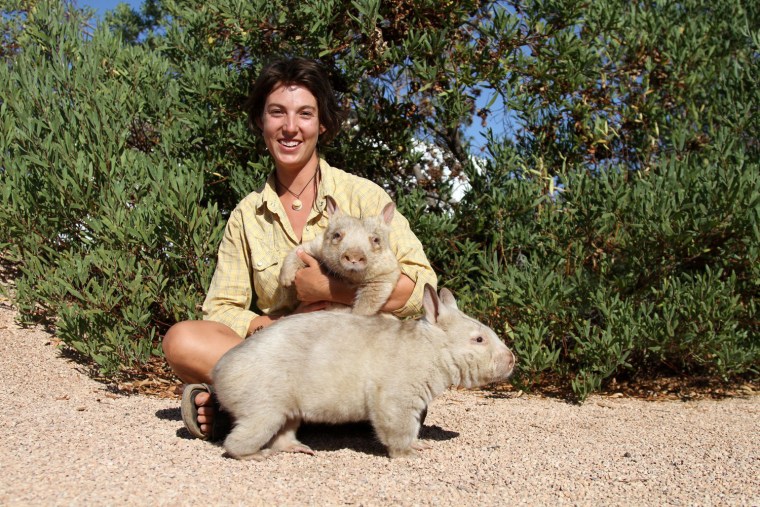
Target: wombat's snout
{"type": "Point", "coordinates": [354, 259]}
{"type": "Point", "coordinates": [505, 363]}
{"type": "Point", "coordinates": [510, 361]}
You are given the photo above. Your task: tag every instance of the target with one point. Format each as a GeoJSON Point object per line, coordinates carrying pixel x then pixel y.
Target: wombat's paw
{"type": "Point", "coordinates": [285, 442]}
{"type": "Point", "coordinates": [287, 276]}
{"type": "Point", "coordinates": [421, 445]}
{"type": "Point", "coordinates": [290, 265]}
{"type": "Point", "coordinates": [256, 456]}
{"type": "Point", "coordinates": [403, 453]}
{"type": "Point", "coordinates": [298, 447]}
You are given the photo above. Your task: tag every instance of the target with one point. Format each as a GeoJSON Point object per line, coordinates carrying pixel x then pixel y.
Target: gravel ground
{"type": "Point", "coordinates": [69, 441]}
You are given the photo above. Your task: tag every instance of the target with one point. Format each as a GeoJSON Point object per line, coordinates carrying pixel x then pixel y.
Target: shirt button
{"type": "Point", "coordinates": [259, 264]}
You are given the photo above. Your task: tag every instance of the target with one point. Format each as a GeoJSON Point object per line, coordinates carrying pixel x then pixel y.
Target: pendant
{"type": "Point", "coordinates": [297, 205]}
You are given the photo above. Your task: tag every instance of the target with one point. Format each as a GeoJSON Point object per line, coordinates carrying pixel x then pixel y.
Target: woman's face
{"type": "Point", "coordinates": [290, 126]}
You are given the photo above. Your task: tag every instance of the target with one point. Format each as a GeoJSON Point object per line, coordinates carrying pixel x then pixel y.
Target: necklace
{"type": "Point", "coordinates": [297, 204]}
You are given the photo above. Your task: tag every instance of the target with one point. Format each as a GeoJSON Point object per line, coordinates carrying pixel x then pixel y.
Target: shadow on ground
{"type": "Point", "coordinates": [359, 437]}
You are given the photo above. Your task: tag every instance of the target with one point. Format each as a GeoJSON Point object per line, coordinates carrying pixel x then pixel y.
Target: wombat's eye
{"type": "Point", "coordinates": [479, 339]}
{"type": "Point", "coordinates": [337, 236]}
{"type": "Point", "coordinates": [375, 240]}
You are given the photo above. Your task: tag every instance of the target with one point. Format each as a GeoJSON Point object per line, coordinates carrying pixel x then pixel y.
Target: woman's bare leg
{"type": "Point", "coordinates": [192, 348]}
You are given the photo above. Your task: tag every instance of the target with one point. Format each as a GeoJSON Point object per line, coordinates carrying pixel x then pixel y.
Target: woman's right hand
{"type": "Point", "coordinates": [314, 285]}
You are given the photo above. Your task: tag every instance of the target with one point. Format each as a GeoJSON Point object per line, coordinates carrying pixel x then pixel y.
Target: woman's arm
{"type": "Point", "coordinates": [228, 298]}
{"type": "Point", "coordinates": [261, 321]}
{"type": "Point", "coordinates": [400, 295]}
{"type": "Point", "coordinates": [314, 285]}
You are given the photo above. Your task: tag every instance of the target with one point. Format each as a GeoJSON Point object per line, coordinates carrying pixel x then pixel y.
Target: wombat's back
{"type": "Point", "coordinates": [318, 366]}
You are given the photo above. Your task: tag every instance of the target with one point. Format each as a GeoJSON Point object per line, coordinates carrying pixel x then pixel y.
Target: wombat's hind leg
{"type": "Point", "coordinates": [286, 440]}
{"type": "Point", "coordinates": [421, 445]}
{"type": "Point", "coordinates": [399, 433]}
{"type": "Point", "coordinates": [249, 435]}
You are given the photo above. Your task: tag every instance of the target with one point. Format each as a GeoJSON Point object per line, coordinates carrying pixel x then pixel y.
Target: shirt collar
{"type": "Point", "coordinates": [268, 197]}
{"type": "Point", "coordinates": [326, 185]}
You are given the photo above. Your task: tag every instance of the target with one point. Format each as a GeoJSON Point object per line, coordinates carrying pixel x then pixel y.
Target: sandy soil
{"type": "Point", "coordinates": [69, 441]}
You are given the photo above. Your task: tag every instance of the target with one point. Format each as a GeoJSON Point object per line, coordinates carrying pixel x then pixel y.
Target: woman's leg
{"type": "Point", "coordinates": [192, 348]}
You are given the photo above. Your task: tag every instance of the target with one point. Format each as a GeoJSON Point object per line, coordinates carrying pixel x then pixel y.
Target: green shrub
{"type": "Point", "coordinates": [610, 228]}
{"type": "Point", "coordinates": [103, 202]}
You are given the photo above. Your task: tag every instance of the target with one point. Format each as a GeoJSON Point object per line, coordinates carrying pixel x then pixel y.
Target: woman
{"type": "Point", "coordinates": [293, 107]}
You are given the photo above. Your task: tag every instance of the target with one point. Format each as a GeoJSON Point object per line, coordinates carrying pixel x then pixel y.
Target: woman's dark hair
{"type": "Point", "coordinates": [301, 72]}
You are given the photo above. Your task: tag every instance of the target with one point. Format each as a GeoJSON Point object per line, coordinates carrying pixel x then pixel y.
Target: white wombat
{"type": "Point", "coordinates": [328, 367]}
{"type": "Point", "coordinates": [356, 250]}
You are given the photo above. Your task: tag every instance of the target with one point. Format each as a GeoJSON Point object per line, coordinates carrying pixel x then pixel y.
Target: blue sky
{"type": "Point", "coordinates": [106, 5]}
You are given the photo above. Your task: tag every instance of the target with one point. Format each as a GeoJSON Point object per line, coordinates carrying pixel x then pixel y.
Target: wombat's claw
{"type": "Point", "coordinates": [421, 445]}
{"type": "Point", "coordinates": [256, 456]}
{"type": "Point", "coordinates": [299, 447]}
{"type": "Point", "coordinates": [403, 453]}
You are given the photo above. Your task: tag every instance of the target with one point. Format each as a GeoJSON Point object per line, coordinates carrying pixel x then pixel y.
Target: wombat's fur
{"type": "Point", "coordinates": [331, 367]}
{"type": "Point", "coordinates": [356, 250]}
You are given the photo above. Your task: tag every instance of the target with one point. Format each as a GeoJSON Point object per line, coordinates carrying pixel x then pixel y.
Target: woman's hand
{"type": "Point", "coordinates": [313, 284]}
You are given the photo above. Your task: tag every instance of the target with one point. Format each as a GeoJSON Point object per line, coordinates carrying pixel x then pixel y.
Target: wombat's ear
{"type": "Point", "coordinates": [434, 308]}
{"type": "Point", "coordinates": [388, 210]}
{"type": "Point", "coordinates": [448, 298]}
{"type": "Point", "coordinates": [332, 206]}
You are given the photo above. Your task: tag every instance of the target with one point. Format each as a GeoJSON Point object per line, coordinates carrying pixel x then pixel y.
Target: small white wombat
{"type": "Point", "coordinates": [356, 250]}
{"type": "Point", "coordinates": [328, 367]}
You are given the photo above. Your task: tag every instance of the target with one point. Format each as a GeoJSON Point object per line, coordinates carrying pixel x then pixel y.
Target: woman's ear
{"type": "Point", "coordinates": [322, 129]}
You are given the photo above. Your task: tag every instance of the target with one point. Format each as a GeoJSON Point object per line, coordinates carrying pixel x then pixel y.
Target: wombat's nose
{"type": "Point", "coordinates": [354, 257]}
{"type": "Point", "coordinates": [510, 360]}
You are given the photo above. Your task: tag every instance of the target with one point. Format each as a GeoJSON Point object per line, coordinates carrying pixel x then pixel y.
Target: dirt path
{"type": "Point", "coordinates": [69, 441]}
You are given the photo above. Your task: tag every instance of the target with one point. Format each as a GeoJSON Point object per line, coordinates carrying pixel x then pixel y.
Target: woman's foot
{"type": "Point", "coordinates": [201, 413]}
{"type": "Point", "coordinates": [204, 403]}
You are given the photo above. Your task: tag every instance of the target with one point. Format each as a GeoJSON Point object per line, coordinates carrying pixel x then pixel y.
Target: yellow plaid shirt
{"type": "Point", "coordinates": [258, 236]}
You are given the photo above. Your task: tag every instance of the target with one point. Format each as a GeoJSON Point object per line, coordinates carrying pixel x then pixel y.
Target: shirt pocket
{"type": "Point", "coordinates": [266, 273]}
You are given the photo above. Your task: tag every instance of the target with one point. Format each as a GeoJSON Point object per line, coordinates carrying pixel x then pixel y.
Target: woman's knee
{"type": "Point", "coordinates": [191, 343]}
{"type": "Point", "coordinates": [177, 341]}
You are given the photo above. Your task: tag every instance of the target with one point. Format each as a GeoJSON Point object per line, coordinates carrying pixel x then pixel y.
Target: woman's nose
{"type": "Point", "coordinates": [290, 124]}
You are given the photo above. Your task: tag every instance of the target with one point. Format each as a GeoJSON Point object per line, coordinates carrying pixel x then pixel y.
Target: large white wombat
{"type": "Point", "coordinates": [356, 250]}
{"type": "Point", "coordinates": [328, 367]}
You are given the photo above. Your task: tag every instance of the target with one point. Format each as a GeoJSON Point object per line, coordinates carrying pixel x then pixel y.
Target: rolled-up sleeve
{"type": "Point", "coordinates": [414, 264]}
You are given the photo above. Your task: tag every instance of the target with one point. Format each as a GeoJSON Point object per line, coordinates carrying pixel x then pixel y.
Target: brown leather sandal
{"type": "Point", "coordinates": [221, 425]}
